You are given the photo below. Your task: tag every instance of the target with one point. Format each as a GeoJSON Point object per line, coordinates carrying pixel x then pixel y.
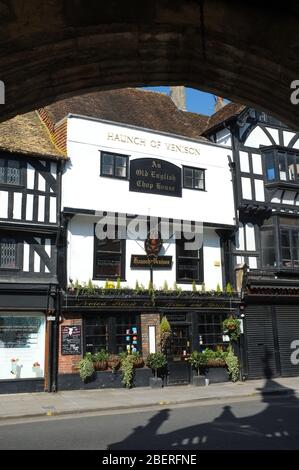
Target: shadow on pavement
{"type": "Point", "coordinates": [276, 427]}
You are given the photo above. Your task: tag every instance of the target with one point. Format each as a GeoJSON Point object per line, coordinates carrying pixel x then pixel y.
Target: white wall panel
{"type": "Point", "coordinates": [17, 205]}
{"type": "Point", "coordinates": [246, 188]}
{"type": "Point", "coordinates": [259, 190]}
{"type": "Point", "coordinates": [257, 137]}
{"type": "Point", "coordinates": [250, 237]}
{"type": "Point", "coordinates": [29, 207]}
{"type": "Point", "coordinates": [257, 163]}
{"type": "Point", "coordinates": [244, 162]}
{"type": "Point", "coordinates": [3, 204]}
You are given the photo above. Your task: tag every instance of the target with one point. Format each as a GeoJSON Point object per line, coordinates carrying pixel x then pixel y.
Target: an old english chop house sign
{"type": "Point", "coordinates": [148, 175]}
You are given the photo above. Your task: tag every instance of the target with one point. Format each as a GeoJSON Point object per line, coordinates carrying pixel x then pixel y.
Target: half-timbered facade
{"type": "Point", "coordinates": [30, 188]}
{"type": "Point", "coordinates": [134, 156]}
{"type": "Point", "coordinates": [265, 168]}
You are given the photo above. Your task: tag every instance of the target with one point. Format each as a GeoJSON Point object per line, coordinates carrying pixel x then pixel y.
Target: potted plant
{"type": "Point", "coordinates": [127, 369]}
{"type": "Point", "coordinates": [165, 333]}
{"type": "Point", "coordinates": [156, 361]}
{"type": "Point", "coordinates": [138, 360]}
{"type": "Point", "coordinates": [216, 370]}
{"type": "Point", "coordinates": [100, 360]}
{"type": "Point", "coordinates": [113, 362]}
{"type": "Point", "coordinates": [198, 361]}
{"type": "Point", "coordinates": [86, 368]}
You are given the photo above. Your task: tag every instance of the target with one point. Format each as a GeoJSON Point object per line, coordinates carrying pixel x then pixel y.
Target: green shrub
{"type": "Point", "coordinates": [86, 368]}
{"type": "Point", "coordinates": [118, 285]}
{"type": "Point", "coordinates": [165, 287]}
{"type": "Point", "coordinates": [165, 333]}
{"type": "Point", "coordinates": [156, 361]}
{"type": "Point", "coordinates": [232, 365]}
{"type": "Point", "coordinates": [218, 289]}
{"type": "Point", "coordinates": [127, 369]}
{"type": "Point", "coordinates": [198, 361]}
{"type": "Point", "coordinates": [100, 356]}
{"type": "Point", "coordinates": [194, 286]}
{"type": "Point", "coordinates": [229, 289]}
{"type": "Point", "coordinates": [203, 287]}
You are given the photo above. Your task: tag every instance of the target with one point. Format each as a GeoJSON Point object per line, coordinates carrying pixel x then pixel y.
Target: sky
{"type": "Point", "coordinates": [196, 101]}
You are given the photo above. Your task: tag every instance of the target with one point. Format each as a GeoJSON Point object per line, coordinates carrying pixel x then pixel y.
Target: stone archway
{"type": "Point", "coordinates": [244, 51]}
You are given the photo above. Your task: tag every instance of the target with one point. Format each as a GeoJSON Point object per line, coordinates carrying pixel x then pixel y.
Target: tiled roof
{"type": "Point", "coordinates": [27, 134]}
{"type": "Point", "coordinates": [229, 111]}
{"type": "Point", "coordinates": [132, 106]}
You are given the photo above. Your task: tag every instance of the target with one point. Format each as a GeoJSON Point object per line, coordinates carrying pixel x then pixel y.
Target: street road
{"type": "Point", "coordinates": [252, 423]}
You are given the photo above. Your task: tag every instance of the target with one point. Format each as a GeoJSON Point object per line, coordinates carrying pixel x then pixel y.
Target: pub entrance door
{"type": "Point", "coordinates": [179, 370]}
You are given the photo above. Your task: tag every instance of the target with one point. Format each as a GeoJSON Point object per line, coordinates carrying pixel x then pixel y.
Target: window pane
{"type": "Point", "coordinates": [13, 172]}
{"type": "Point", "coordinates": [107, 159]}
{"type": "Point", "coordinates": [120, 172]}
{"type": "Point", "coordinates": [188, 269]}
{"type": "Point", "coordinates": [108, 265]}
{"type": "Point", "coordinates": [295, 248]}
{"type": "Point", "coordinates": [2, 172]}
{"type": "Point", "coordinates": [121, 161]}
{"type": "Point", "coordinates": [8, 254]}
{"type": "Point", "coordinates": [268, 250]}
{"type": "Point", "coordinates": [198, 183]}
{"type": "Point", "coordinates": [188, 172]}
{"type": "Point", "coordinates": [188, 182]}
{"type": "Point", "coordinates": [282, 167]}
{"type": "Point", "coordinates": [107, 170]}
{"type": "Point", "coordinates": [127, 333]}
{"type": "Point", "coordinates": [96, 334]}
{"type": "Point", "coordinates": [109, 245]}
{"type": "Point", "coordinates": [270, 169]}
{"type": "Point", "coordinates": [291, 167]}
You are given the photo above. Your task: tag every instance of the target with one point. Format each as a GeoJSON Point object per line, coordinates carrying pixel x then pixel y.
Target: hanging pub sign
{"type": "Point", "coordinates": [144, 261]}
{"type": "Point", "coordinates": [152, 246]}
{"type": "Point", "coordinates": [71, 340]}
{"type": "Point", "coordinates": [151, 175]}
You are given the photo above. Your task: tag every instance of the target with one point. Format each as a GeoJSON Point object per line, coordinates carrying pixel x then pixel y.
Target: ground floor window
{"type": "Point", "coordinates": [22, 345]}
{"type": "Point", "coordinates": [115, 333]}
{"type": "Point", "coordinates": [210, 330]}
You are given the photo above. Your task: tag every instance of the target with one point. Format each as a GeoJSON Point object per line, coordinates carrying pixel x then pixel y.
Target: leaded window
{"type": "Point", "coordinates": [109, 258]}
{"type": "Point", "coordinates": [8, 253]}
{"type": "Point", "coordinates": [10, 172]}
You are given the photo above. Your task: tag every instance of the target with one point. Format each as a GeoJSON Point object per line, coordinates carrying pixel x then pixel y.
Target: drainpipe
{"type": "Point", "coordinates": [56, 338]}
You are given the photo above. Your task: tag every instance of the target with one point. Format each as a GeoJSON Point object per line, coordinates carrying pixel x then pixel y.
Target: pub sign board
{"type": "Point", "coordinates": [144, 261]}
{"type": "Point", "coordinates": [71, 339]}
{"type": "Point", "coordinates": [151, 175]}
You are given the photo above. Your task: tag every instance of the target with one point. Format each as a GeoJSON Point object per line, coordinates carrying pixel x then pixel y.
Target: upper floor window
{"type": "Point", "coordinates": [8, 253]}
{"type": "Point", "coordinates": [194, 178]}
{"type": "Point", "coordinates": [281, 166]}
{"type": "Point", "coordinates": [114, 165]}
{"type": "Point", "coordinates": [189, 262]}
{"type": "Point", "coordinates": [10, 172]}
{"type": "Point", "coordinates": [109, 258]}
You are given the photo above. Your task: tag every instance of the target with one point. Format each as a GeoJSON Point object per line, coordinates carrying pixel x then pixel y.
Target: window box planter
{"type": "Point", "coordinates": [217, 375]}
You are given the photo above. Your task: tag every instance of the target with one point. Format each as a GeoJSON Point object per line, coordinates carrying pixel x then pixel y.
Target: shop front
{"type": "Point", "coordinates": [24, 339]}
{"type": "Point", "coordinates": [196, 324]}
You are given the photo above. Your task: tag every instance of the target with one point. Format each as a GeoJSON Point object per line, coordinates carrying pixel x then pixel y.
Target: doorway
{"type": "Point", "coordinates": [178, 351]}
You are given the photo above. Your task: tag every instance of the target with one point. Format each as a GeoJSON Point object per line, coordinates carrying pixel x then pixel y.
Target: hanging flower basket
{"type": "Point", "coordinates": [231, 327]}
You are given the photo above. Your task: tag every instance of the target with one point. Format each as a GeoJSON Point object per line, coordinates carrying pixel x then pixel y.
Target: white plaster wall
{"type": "Point", "coordinates": [80, 257]}
{"type": "Point", "coordinates": [84, 188]}
{"type": "Point", "coordinates": [257, 137]}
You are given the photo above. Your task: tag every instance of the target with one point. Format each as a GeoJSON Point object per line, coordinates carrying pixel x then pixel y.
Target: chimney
{"type": "Point", "coordinates": [219, 103]}
{"type": "Point", "coordinates": [178, 96]}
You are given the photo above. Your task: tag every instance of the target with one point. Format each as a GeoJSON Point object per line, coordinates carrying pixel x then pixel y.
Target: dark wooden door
{"type": "Point", "coordinates": [177, 353]}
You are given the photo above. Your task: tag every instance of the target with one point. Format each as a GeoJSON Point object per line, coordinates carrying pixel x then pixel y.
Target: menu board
{"type": "Point", "coordinates": [71, 340]}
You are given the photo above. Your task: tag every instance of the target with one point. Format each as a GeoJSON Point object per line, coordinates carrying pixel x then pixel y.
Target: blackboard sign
{"type": "Point", "coordinates": [151, 175]}
{"type": "Point", "coordinates": [71, 340]}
